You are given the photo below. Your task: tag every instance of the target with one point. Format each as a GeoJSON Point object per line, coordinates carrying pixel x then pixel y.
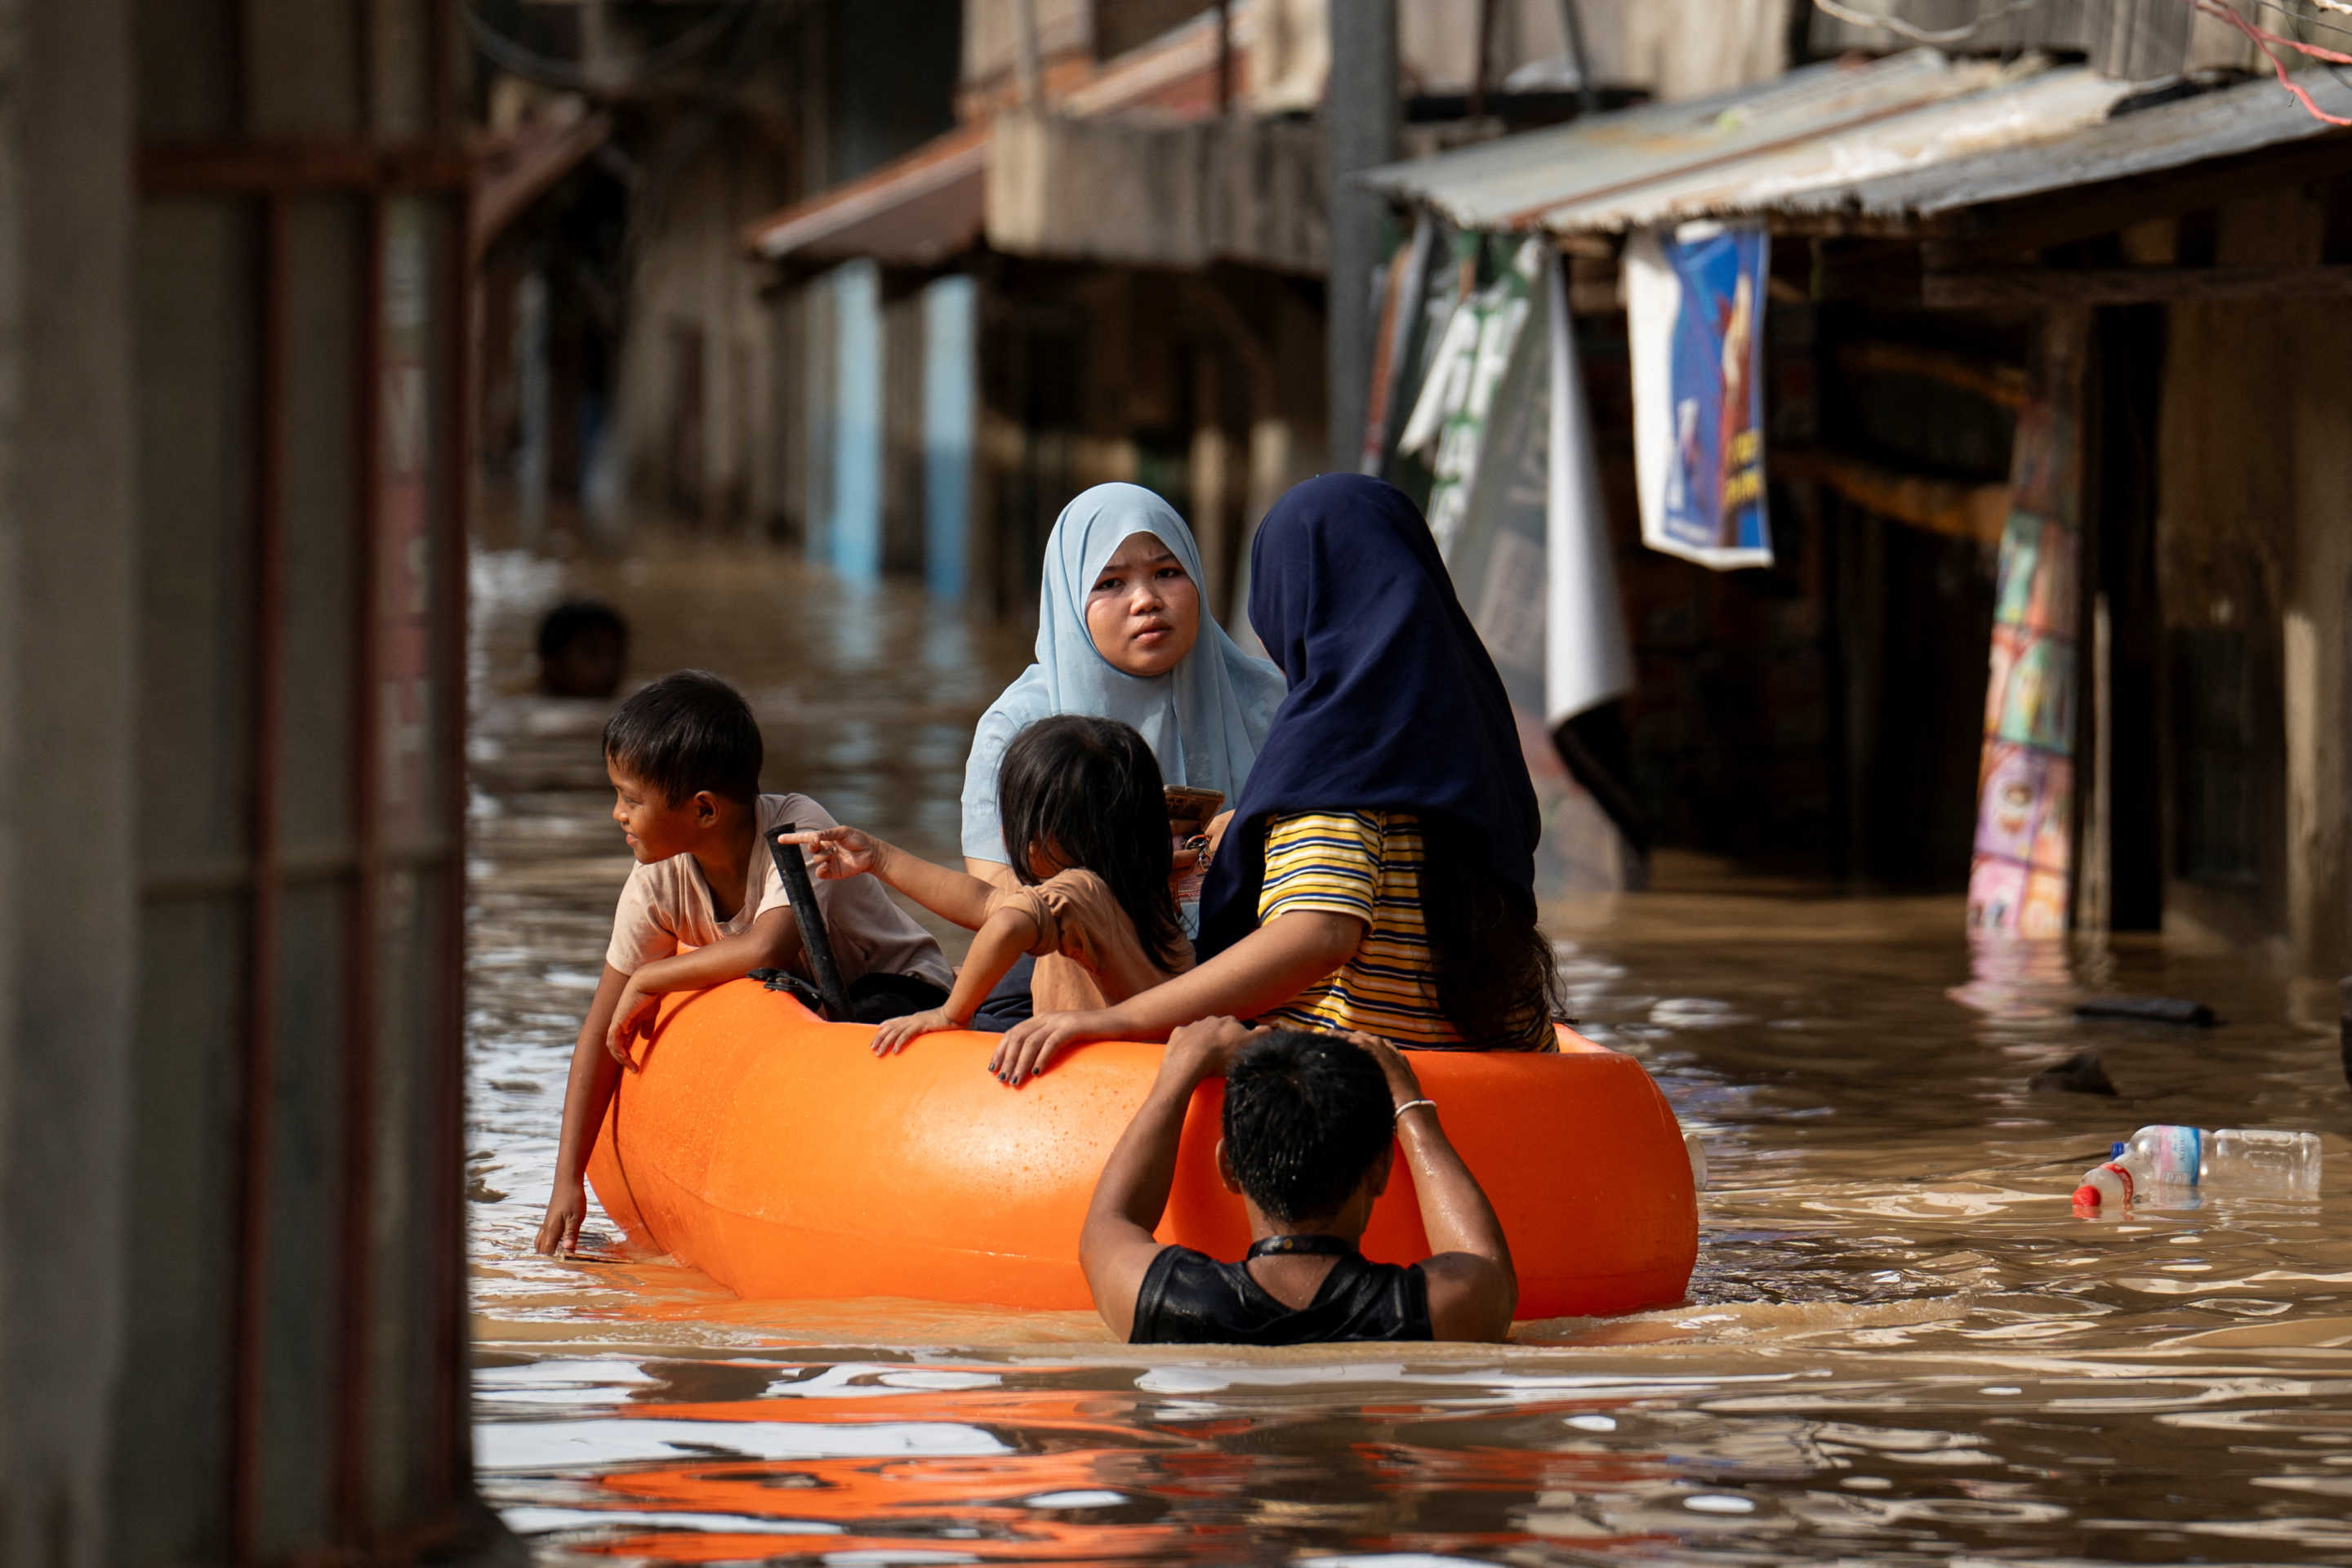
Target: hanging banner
{"type": "Point", "coordinates": [2021, 879]}
{"type": "Point", "coordinates": [1448, 426]}
{"type": "Point", "coordinates": [1532, 565]}
{"type": "Point", "coordinates": [1587, 657]}
{"type": "Point", "coordinates": [1695, 313]}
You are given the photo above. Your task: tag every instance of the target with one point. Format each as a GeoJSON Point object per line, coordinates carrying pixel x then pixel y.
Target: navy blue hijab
{"type": "Point", "coordinates": [1393, 702]}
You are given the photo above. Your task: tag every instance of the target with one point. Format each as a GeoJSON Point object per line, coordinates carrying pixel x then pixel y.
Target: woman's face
{"type": "Point", "coordinates": [1142, 610]}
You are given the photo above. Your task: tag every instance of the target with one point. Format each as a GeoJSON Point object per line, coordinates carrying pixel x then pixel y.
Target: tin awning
{"type": "Point", "coordinates": [917, 211]}
{"type": "Point", "coordinates": [1875, 147]}
{"type": "Point", "coordinates": [922, 208]}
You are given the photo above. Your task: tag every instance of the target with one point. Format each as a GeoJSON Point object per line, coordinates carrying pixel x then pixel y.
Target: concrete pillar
{"type": "Point", "coordinates": [68, 911]}
{"type": "Point", "coordinates": [1359, 113]}
{"type": "Point", "coordinates": [854, 528]}
{"type": "Point", "coordinates": [232, 475]}
{"type": "Point", "coordinates": [950, 405]}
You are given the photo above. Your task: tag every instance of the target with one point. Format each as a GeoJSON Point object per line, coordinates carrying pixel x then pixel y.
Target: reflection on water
{"type": "Point", "coordinates": [1901, 1344]}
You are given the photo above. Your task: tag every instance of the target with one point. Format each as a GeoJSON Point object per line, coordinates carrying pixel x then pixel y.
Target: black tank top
{"type": "Point", "coordinates": [1189, 1298]}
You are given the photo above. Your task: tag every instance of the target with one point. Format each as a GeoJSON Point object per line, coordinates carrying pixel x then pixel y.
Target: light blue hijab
{"type": "Point", "coordinates": [1204, 720]}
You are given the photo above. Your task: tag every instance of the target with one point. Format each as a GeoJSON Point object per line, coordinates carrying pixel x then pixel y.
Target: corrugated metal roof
{"type": "Point", "coordinates": [2027, 108]}
{"type": "Point", "coordinates": [1509, 183]}
{"type": "Point", "coordinates": [2240, 119]}
{"type": "Point", "coordinates": [1895, 139]}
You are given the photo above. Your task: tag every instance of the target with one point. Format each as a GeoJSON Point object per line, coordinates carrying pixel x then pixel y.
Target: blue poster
{"type": "Point", "coordinates": [1694, 310]}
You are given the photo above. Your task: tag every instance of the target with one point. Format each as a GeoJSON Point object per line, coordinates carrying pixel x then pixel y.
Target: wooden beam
{"type": "Point", "coordinates": [2036, 286]}
{"type": "Point", "coordinates": [1977, 512]}
{"type": "Point", "coordinates": [2002, 384]}
{"type": "Point", "coordinates": [298, 168]}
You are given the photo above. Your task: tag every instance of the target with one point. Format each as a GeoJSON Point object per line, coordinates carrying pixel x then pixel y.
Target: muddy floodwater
{"type": "Point", "coordinates": [1901, 1345]}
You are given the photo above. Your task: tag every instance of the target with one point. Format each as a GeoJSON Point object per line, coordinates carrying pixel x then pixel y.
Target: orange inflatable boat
{"type": "Point", "coordinates": [776, 1153]}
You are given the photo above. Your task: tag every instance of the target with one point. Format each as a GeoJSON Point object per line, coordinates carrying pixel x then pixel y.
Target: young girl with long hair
{"type": "Point", "coordinates": [1082, 798]}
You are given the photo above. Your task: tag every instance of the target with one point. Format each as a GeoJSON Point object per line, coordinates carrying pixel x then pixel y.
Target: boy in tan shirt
{"type": "Point", "coordinates": [706, 905]}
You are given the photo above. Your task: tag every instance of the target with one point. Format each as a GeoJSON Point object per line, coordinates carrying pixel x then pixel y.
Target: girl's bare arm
{"type": "Point", "coordinates": [1003, 937]}
{"type": "Point", "coordinates": [840, 852]}
{"type": "Point", "coordinates": [955, 896]}
{"type": "Point", "coordinates": [1262, 971]}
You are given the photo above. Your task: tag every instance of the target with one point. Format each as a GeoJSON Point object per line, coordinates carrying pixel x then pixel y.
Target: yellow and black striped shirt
{"type": "Point", "coordinates": [1366, 864]}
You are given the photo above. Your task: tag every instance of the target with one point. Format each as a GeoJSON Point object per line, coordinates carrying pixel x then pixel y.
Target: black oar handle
{"type": "Point", "coordinates": [802, 894]}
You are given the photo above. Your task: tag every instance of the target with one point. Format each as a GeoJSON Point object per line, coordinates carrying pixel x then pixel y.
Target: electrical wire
{"type": "Point", "coordinates": [1919, 35]}
{"type": "Point", "coordinates": [2308, 19]}
{"type": "Point", "coordinates": [512, 55]}
{"type": "Point", "coordinates": [2227, 9]}
{"type": "Point", "coordinates": [2263, 39]}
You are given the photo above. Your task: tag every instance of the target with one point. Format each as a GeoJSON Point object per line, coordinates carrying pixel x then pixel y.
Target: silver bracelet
{"type": "Point", "coordinates": [1409, 1104]}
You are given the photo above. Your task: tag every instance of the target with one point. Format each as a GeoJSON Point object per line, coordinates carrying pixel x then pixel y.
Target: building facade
{"type": "Point", "coordinates": [2184, 247]}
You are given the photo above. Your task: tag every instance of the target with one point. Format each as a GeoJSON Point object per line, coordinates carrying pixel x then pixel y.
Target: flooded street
{"type": "Point", "coordinates": [1901, 1345]}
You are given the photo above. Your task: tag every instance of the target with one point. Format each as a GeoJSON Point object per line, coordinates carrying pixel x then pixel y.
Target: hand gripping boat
{"type": "Point", "coordinates": [776, 1153]}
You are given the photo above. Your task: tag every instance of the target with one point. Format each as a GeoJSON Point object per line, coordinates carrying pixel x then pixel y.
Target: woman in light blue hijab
{"type": "Point", "coordinates": [1121, 635]}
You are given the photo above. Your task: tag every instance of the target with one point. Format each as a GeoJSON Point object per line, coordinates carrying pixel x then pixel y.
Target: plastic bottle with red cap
{"type": "Point", "coordinates": [2256, 1162]}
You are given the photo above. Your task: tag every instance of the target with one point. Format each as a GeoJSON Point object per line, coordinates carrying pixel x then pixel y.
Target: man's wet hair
{"type": "Point", "coordinates": [1305, 1117]}
{"type": "Point", "coordinates": [685, 733]}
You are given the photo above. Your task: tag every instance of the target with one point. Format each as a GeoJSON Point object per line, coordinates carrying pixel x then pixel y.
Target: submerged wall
{"type": "Point", "coordinates": [2254, 556]}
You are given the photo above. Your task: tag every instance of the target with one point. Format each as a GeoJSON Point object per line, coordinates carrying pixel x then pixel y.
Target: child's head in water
{"type": "Point", "coordinates": [584, 646]}
{"type": "Point", "coordinates": [1077, 793]}
{"type": "Point", "coordinates": [684, 757]}
{"type": "Point", "coordinates": [1308, 1130]}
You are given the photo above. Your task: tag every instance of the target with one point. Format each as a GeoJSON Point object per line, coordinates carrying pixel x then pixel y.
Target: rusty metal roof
{"type": "Point", "coordinates": [1888, 141]}
{"type": "Point", "coordinates": [2242, 119]}
{"type": "Point", "coordinates": [928, 205]}
{"type": "Point", "coordinates": [916, 211]}
{"type": "Point", "coordinates": [1605, 172]}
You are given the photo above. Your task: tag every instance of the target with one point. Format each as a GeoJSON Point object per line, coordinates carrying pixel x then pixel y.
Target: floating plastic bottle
{"type": "Point", "coordinates": [2255, 1161]}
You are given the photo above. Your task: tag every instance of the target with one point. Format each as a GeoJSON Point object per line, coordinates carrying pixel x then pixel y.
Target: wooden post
{"type": "Point", "coordinates": [1211, 473]}
{"type": "Point", "coordinates": [1482, 66]}
{"type": "Point", "coordinates": [1571, 27]}
{"type": "Point", "coordinates": [1361, 126]}
{"type": "Point", "coordinates": [1026, 66]}
{"type": "Point", "coordinates": [1224, 58]}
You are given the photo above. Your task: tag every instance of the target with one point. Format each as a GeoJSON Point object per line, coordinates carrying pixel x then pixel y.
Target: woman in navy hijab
{"type": "Point", "coordinates": [1379, 871]}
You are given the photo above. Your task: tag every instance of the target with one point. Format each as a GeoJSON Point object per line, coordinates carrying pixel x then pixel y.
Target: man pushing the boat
{"type": "Point", "coordinates": [1312, 1124]}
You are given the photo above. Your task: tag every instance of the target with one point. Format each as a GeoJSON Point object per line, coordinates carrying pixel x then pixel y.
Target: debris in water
{"type": "Point", "coordinates": [2148, 1009]}
{"type": "Point", "coordinates": [2078, 1074]}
